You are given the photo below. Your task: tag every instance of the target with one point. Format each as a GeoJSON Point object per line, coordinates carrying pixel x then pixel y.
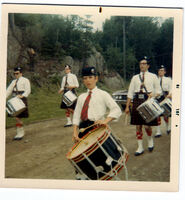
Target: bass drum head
{"type": "Point", "coordinates": [86, 142]}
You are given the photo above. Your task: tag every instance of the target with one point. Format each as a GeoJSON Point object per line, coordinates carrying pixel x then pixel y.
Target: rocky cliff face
{"type": "Point", "coordinates": [46, 69]}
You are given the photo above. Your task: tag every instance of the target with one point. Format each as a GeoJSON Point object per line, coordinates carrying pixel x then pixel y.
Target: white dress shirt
{"type": "Point", "coordinates": [71, 80]}
{"type": "Point", "coordinates": [23, 84]}
{"type": "Point", "coordinates": [99, 103]}
{"type": "Point", "coordinates": [166, 83]}
{"type": "Point", "coordinates": [151, 83]}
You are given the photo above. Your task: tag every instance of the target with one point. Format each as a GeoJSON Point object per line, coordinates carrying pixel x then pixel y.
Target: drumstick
{"type": "Point", "coordinates": [83, 129]}
{"type": "Point", "coordinates": [126, 119]}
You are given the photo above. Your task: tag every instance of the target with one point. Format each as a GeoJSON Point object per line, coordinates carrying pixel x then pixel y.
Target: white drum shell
{"type": "Point", "coordinates": [69, 98]}
{"type": "Point", "coordinates": [150, 110]}
{"type": "Point", "coordinates": [15, 106]}
{"type": "Point", "coordinates": [166, 104]}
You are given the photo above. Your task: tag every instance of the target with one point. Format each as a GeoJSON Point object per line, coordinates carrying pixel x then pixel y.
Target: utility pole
{"type": "Point", "coordinates": [124, 51]}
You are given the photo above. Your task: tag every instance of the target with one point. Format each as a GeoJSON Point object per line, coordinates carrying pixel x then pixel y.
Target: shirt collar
{"type": "Point", "coordinates": [93, 90]}
{"type": "Point", "coordinates": [145, 72]}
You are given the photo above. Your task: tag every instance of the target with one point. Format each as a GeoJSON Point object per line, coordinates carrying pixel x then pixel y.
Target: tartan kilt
{"type": "Point", "coordinates": [136, 118]}
{"type": "Point", "coordinates": [25, 113]}
{"type": "Point", "coordinates": [64, 106]}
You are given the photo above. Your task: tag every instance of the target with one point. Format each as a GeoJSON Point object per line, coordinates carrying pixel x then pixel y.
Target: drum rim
{"type": "Point", "coordinates": [92, 148]}
{"type": "Point", "coordinates": [85, 136]}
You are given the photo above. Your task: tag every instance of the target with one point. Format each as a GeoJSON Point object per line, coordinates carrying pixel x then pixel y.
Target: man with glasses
{"type": "Point", "coordinates": [69, 82]}
{"type": "Point", "coordinates": [21, 88]}
{"type": "Point", "coordinates": [143, 86]}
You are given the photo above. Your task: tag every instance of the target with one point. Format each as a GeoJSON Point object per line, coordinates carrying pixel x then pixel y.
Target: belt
{"type": "Point", "coordinates": [141, 95]}
{"type": "Point", "coordinates": [18, 92]}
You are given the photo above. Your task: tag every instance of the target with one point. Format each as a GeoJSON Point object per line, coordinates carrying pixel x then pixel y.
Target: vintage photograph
{"type": "Point", "coordinates": [89, 95]}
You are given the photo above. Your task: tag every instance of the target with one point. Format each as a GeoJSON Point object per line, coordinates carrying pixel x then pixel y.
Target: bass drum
{"type": "Point", "coordinates": [99, 155]}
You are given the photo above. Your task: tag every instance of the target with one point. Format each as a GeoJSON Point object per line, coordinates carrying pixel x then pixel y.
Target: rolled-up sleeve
{"type": "Point", "coordinates": [157, 87]}
{"type": "Point", "coordinates": [63, 83]}
{"type": "Point", "coordinates": [114, 109]}
{"type": "Point", "coordinates": [131, 89]}
{"type": "Point", "coordinates": [10, 89]}
{"type": "Point", "coordinates": [77, 112]}
{"type": "Point", "coordinates": [27, 88]}
{"type": "Point", "coordinates": [76, 84]}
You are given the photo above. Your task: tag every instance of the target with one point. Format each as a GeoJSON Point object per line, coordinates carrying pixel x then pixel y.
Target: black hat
{"type": "Point", "coordinates": [161, 67]}
{"type": "Point", "coordinates": [89, 71]}
{"type": "Point", "coordinates": [146, 58]}
{"type": "Point", "coordinates": [18, 69]}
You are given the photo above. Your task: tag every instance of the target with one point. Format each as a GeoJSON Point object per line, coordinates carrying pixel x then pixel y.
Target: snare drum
{"type": "Point", "coordinates": [99, 156]}
{"type": "Point", "coordinates": [69, 98]}
{"type": "Point", "coordinates": [15, 106]}
{"type": "Point", "coordinates": [166, 104]}
{"type": "Point", "coordinates": [150, 110]}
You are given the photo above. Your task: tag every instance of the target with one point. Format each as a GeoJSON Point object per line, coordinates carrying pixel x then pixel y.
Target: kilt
{"type": "Point", "coordinates": [136, 118]}
{"type": "Point", "coordinates": [25, 113]}
{"type": "Point", "coordinates": [64, 106]}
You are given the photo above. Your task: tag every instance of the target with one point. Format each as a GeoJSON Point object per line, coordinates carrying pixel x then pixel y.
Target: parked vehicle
{"type": "Point", "coordinates": [120, 97]}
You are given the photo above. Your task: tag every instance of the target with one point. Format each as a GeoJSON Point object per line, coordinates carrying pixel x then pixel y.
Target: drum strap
{"type": "Point", "coordinates": [142, 83]}
{"type": "Point", "coordinates": [15, 86]}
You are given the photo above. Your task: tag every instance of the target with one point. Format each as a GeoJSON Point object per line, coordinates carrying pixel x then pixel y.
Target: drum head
{"type": "Point", "coordinates": [86, 142]}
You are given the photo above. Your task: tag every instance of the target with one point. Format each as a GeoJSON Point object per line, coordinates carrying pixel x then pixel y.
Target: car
{"type": "Point", "coordinates": [120, 97]}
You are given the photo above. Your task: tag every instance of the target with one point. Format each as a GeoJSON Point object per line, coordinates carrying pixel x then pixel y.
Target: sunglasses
{"type": "Point", "coordinates": [16, 73]}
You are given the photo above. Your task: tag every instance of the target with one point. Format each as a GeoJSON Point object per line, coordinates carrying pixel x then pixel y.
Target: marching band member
{"type": "Point", "coordinates": [166, 86]}
{"type": "Point", "coordinates": [92, 106]}
{"type": "Point", "coordinates": [69, 82]}
{"type": "Point", "coordinates": [21, 88]}
{"type": "Point", "coordinates": [143, 86]}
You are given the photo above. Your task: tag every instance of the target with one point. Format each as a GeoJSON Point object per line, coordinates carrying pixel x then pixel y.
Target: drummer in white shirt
{"type": "Point", "coordinates": [97, 103]}
{"type": "Point", "coordinates": [143, 86]}
{"type": "Point", "coordinates": [21, 88]}
{"type": "Point", "coordinates": [166, 86]}
{"type": "Point", "coordinates": [69, 82]}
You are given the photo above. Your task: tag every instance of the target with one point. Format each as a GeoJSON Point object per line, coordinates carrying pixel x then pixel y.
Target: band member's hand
{"type": "Point", "coordinates": [75, 137]}
{"type": "Point", "coordinates": [20, 96]}
{"type": "Point", "coordinates": [101, 122]}
{"type": "Point", "coordinates": [150, 95]}
{"type": "Point", "coordinates": [60, 91]}
{"type": "Point", "coordinates": [127, 110]}
{"type": "Point", "coordinates": [169, 96]}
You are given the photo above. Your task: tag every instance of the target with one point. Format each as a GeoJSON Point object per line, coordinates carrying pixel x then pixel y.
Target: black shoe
{"type": "Point", "coordinates": [157, 136]}
{"type": "Point", "coordinates": [67, 125]}
{"type": "Point", "coordinates": [20, 138]}
{"type": "Point", "coordinates": [138, 153]}
{"type": "Point", "coordinates": [150, 149]}
{"type": "Point", "coordinates": [168, 132]}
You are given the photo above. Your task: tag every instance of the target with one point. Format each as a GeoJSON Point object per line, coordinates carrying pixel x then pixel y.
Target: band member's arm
{"type": "Point", "coordinates": [27, 90]}
{"type": "Point", "coordinates": [130, 94]}
{"type": "Point", "coordinates": [10, 89]}
{"type": "Point", "coordinates": [157, 88]}
{"type": "Point", "coordinates": [105, 121]}
{"type": "Point", "coordinates": [127, 105]}
{"type": "Point", "coordinates": [170, 88]}
{"type": "Point", "coordinates": [62, 86]}
{"type": "Point", "coordinates": [75, 83]}
{"type": "Point", "coordinates": [75, 133]}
